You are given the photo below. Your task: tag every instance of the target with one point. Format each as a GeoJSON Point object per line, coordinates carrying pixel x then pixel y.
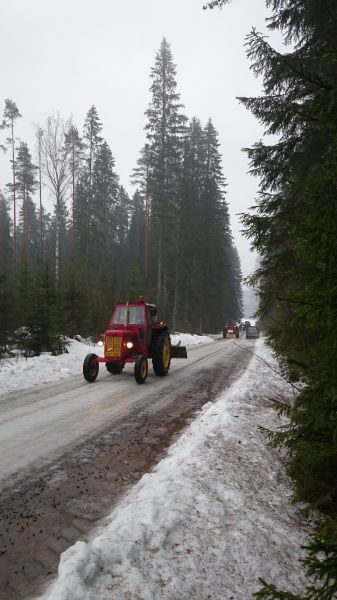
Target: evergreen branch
{"type": "Point", "coordinates": [270, 592]}
{"type": "Point", "coordinates": [213, 3]}
{"type": "Point", "coordinates": [309, 79]}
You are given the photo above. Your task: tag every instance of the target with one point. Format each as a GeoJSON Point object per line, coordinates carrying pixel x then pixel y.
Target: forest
{"type": "Point", "coordinates": [61, 271]}
{"type": "Point", "coordinates": [171, 241]}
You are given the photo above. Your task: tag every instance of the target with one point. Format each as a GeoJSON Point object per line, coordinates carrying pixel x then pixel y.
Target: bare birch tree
{"type": "Point", "coordinates": [55, 166]}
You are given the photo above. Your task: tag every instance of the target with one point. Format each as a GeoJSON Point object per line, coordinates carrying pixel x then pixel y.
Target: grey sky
{"type": "Point", "coordinates": [66, 55]}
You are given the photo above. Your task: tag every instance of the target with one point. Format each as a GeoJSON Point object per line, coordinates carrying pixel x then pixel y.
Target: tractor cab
{"type": "Point", "coordinates": [126, 314]}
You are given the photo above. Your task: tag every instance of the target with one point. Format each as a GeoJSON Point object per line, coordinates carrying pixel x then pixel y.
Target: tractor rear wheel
{"type": "Point", "coordinates": [161, 355]}
{"type": "Point", "coordinates": [114, 368]}
{"type": "Point", "coordinates": [90, 367]}
{"type": "Point", "coordinates": [141, 369]}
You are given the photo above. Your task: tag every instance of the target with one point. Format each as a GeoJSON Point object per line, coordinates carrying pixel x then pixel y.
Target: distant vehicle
{"type": "Point", "coordinates": [246, 325]}
{"type": "Point", "coordinates": [252, 332]}
{"type": "Point", "coordinates": [231, 327]}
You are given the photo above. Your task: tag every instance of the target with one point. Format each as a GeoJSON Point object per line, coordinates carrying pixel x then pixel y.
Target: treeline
{"type": "Point", "coordinates": [61, 271]}
{"type": "Point", "coordinates": [293, 227]}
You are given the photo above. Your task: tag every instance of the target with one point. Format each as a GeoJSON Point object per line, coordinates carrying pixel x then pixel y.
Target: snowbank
{"type": "Point", "coordinates": [20, 373]}
{"type": "Point", "coordinates": [212, 517]}
{"type": "Point", "coordinates": [189, 339]}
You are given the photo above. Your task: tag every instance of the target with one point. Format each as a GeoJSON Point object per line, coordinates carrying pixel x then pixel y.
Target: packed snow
{"type": "Point", "coordinates": [211, 518]}
{"type": "Point", "coordinates": [18, 372]}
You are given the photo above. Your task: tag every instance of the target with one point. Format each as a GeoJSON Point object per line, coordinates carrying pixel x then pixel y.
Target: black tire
{"type": "Point", "coordinates": [90, 367]}
{"type": "Point", "coordinates": [141, 369]}
{"type": "Point", "coordinates": [114, 368]}
{"type": "Point", "coordinates": [161, 355]}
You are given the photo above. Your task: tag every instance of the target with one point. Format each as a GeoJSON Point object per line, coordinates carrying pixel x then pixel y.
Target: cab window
{"type": "Point", "coordinates": [136, 315]}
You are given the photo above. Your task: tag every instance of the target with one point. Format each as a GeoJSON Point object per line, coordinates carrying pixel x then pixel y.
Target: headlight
{"type": "Point", "coordinates": [100, 343]}
{"type": "Point", "coordinates": [129, 344]}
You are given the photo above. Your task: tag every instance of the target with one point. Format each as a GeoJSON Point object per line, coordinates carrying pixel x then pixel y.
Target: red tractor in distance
{"type": "Point", "coordinates": [134, 334]}
{"type": "Point", "coordinates": [231, 328]}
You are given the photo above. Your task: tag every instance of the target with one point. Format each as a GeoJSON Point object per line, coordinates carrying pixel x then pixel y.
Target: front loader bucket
{"type": "Point", "coordinates": [178, 352]}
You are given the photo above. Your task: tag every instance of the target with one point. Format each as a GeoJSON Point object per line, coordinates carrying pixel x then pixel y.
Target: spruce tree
{"type": "Point", "coordinates": [84, 188]}
{"type": "Point", "coordinates": [165, 130]}
{"type": "Point", "coordinates": [191, 228]}
{"type": "Point", "coordinates": [104, 202]}
{"type": "Point", "coordinates": [91, 130]}
{"type": "Point", "coordinates": [141, 177]}
{"type": "Point", "coordinates": [103, 240]}
{"type": "Point", "coordinates": [122, 218]}
{"type": "Point", "coordinates": [134, 248]}
{"type": "Point", "coordinates": [293, 227]}
{"type": "Point", "coordinates": [216, 236]}
{"type": "Point", "coordinates": [5, 234]}
{"type": "Point", "coordinates": [26, 186]}
{"type": "Point", "coordinates": [233, 298]}
{"type": "Point", "coordinates": [186, 230]}
{"type": "Point", "coordinates": [74, 149]}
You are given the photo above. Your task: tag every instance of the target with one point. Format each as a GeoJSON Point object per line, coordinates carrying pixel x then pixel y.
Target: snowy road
{"type": "Point", "coordinates": [211, 518]}
{"type": "Point", "coordinates": [39, 426]}
{"type": "Point", "coordinates": [69, 451]}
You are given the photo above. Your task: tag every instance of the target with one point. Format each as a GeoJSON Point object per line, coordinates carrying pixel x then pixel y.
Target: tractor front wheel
{"type": "Point", "coordinates": [114, 368]}
{"type": "Point", "coordinates": [90, 367]}
{"type": "Point", "coordinates": [161, 356]}
{"type": "Point", "coordinates": [141, 369]}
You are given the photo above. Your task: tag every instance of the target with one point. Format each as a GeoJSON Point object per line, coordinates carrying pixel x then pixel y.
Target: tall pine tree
{"type": "Point", "coordinates": [11, 114]}
{"type": "Point", "coordinates": [165, 130]}
{"type": "Point", "coordinates": [26, 186]}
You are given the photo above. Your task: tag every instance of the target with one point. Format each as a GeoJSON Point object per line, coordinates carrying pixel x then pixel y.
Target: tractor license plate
{"type": "Point", "coordinates": [113, 346]}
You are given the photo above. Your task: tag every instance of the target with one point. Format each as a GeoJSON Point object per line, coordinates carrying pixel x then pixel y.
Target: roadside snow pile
{"type": "Point", "coordinates": [189, 339]}
{"type": "Point", "coordinates": [208, 521]}
{"type": "Point", "coordinates": [20, 373]}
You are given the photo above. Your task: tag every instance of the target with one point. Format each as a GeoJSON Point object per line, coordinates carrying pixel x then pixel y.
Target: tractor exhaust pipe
{"type": "Point", "coordinates": [127, 315]}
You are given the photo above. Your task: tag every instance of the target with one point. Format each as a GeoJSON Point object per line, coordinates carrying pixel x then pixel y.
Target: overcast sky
{"type": "Point", "coordinates": [66, 55]}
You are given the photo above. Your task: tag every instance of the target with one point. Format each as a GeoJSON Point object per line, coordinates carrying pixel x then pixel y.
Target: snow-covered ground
{"type": "Point", "coordinates": [20, 373]}
{"type": "Point", "coordinates": [211, 518]}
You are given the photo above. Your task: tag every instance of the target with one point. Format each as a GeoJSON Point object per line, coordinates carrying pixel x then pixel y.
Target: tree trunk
{"type": "Point", "coordinates": [159, 284]}
{"type": "Point", "coordinates": [14, 194]}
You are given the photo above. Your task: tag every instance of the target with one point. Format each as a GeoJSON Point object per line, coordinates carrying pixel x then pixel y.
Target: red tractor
{"type": "Point", "coordinates": [133, 335]}
{"type": "Point", "coordinates": [231, 328]}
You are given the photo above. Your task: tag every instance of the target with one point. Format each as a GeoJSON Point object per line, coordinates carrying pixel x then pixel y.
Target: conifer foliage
{"type": "Point", "coordinates": [293, 227]}
{"type": "Point", "coordinates": [170, 242]}
{"type": "Point", "coordinates": [188, 239]}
